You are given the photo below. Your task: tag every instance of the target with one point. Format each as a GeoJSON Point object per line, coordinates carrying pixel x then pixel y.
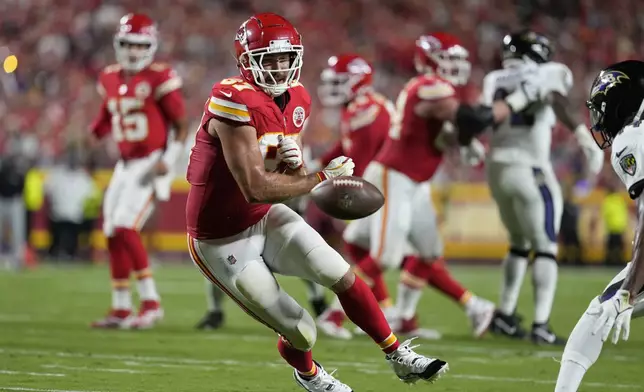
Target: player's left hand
{"type": "Point", "coordinates": [616, 312]}
{"type": "Point", "coordinates": [594, 155]}
{"type": "Point", "coordinates": [289, 152]}
{"type": "Point", "coordinates": [159, 169]}
{"type": "Point", "coordinates": [472, 154]}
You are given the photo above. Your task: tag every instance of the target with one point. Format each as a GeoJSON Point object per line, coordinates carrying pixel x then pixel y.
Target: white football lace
{"type": "Point", "coordinates": [406, 356]}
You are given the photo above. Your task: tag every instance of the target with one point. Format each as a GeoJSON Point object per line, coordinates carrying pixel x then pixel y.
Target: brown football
{"type": "Point", "coordinates": [347, 197]}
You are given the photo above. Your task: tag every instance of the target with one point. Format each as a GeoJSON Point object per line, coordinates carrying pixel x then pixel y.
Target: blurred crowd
{"type": "Point", "coordinates": [47, 104]}
{"type": "Point", "coordinates": [61, 45]}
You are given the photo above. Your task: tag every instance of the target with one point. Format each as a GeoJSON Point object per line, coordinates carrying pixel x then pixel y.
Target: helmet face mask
{"type": "Point", "coordinates": [616, 100]}
{"type": "Point", "coordinates": [345, 77]}
{"type": "Point", "coordinates": [269, 53]}
{"type": "Point", "coordinates": [442, 54]}
{"type": "Point", "coordinates": [135, 42]}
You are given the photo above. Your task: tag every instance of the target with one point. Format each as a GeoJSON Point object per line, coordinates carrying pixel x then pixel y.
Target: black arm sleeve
{"type": "Point", "coordinates": [472, 121]}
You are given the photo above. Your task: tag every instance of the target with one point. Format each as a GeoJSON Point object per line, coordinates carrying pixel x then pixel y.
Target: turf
{"type": "Point", "coordinates": [45, 344]}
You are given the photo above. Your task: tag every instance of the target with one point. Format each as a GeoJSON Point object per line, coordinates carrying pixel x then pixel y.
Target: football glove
{"type": "Point", "coordinates": [594, 155]}
{"type": "Point", "coordinates": [616, 312]}
{"type": "Point", "coordinates": [472, 154]}
{"type": "Point", "coordinates": [340, 166]}
{"type": "Point", "coordinates": [288, 151]}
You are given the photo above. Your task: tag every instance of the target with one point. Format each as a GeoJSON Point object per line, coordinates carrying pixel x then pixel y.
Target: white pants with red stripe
{"type": "Point", "coordinates": [243, 265]}
{"type": "Point", "coordinates": [129, 201]}
{"type": "Point", "coordinates": [407, 218]}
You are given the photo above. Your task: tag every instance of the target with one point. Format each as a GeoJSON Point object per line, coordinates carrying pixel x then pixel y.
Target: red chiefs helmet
{"type": "Point", "coordinates": [345, 77]}
{"type": "Point", "coordinates": [267, 34]}
{"type": "Point", "coordinates": [443, 54]}
{"type": "Point", "coordinates": [135, 41]}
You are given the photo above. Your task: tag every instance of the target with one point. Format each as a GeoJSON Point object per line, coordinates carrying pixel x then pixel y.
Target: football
{"type": "Point", "coordinates": [347, 197]}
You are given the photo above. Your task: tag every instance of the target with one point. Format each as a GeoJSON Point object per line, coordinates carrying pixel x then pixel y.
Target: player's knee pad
{"type": "Point", "coordinates": [545, 256]}
{"type": "Point", "coordinates": [519, 252]}
{"type": "Point", "coordinates": [327, 265]}
{"type": "Point", "coordinates": [304, 335]}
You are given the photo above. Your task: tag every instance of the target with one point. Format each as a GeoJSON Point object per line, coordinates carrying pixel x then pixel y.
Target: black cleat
{"type": "Point", "coordinates": [509, 326]}
{"type": "Point", "coordinates": [542, 335]}
{"type": "Point", "coordinates": [212, 320]}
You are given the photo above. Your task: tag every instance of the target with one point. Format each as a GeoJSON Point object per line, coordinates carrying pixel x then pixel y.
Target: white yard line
{"type": "Point", "coordinates": [92, 369]}
{"type": "Point", "coordinates": [178, 362]}
{"type": "Point", "coordinates": [37, 374]}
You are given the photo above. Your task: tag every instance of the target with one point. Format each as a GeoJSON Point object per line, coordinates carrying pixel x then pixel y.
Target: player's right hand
{"type": "Point", "coordinates": [289, 152]}
{"type": "Point", "coordinates": [615, 312]}
{"type": "Point", "coordinates": [340, 166]}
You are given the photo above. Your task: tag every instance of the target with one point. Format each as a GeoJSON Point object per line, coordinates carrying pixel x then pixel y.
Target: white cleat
{"type": "Point", "coordinates": [329, 327]}
{"type": "Point", "coordinates": [481, 313]}
{"type": "Point", "coordinates": [322, 382]}
{"type": "Point", "coordinates": [411, 367]}
{"type": "Point", "coordinates": [147, 319]}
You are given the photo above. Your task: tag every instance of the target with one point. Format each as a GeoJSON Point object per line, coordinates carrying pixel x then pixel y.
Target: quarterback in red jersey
{"type": "Point", "coordinates": [141, 103]}
{"type": "Point", "coordinates": [245, 161]}
{"type": "Point", "coordinates": [423, 126]}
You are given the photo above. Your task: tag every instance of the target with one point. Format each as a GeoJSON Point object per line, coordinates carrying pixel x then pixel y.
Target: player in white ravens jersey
{"type": "Point", "coordinates": [522, 181]}
{"type": "Point", "coordinates": [616, 106]}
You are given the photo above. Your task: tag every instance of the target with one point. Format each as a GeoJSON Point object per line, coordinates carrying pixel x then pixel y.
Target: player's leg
{"type": "Point", "coordinates": [503, 181]}
{"type": "Point", "coordinates": [18, 239]}
{"type": "Point", "coordinates": [120, 314]}
{"type": "Point", "coordinates": [583, 347]}
{"type": "Point", "coordinates": [135, 206]}
{"type": "Point", "coordinates": [214, 317]}
{"type": "Point", "coordinates": [429, 268]}
{"type": "Point", "coordinates": [294, 248]}
{"type": "Point", "coordinates": [542, 205]}
{"type": "Point", "coordinates": [236, 266]}
{"type": "Point", "coordinates": [388, 228]}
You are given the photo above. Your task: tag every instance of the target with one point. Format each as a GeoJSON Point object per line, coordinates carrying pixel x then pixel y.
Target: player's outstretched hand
{"type": "Point", "coordinates": [159, 169]}
{"type": "Point", "coordinates": [340, 166]}
{"type": "Point", "coordinates": [289, 152]}
{"type": "Point", "coordinates": [616, 312]}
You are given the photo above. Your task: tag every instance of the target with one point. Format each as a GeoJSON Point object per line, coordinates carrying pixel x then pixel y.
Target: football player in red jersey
{"type": "Point", "coordinates": [423, 126]}
{"type": "Point", "coordinates": [365, 118]}
{"type": "Point", "coordinates": [141, 103]}
{"type": "Point", "coordinates": [245, 161]}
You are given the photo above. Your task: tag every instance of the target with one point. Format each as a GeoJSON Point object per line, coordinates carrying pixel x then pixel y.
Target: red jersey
{"type": "Point", "coordinates": [216, 207]}
{"type": "Point", "coordinates": [138, 109]}
{"type": "Point", "coordinates": [411, 147]}
{"type": "Point", "coordinates": [364, 126]}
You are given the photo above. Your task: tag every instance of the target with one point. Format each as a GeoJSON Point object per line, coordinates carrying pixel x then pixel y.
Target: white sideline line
{"type": "Point", "coordinates": [2, 388]}
{"type": "Point", "coordinates": [92, 369]}
{"type": "Point", "coordinates": [360, 367]}
{"type": "Point", "coordinates": [20, 373]}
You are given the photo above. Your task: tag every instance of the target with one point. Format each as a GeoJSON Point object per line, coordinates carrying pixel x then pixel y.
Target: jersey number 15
{"type": "Point", "coordinates": [128, 122]}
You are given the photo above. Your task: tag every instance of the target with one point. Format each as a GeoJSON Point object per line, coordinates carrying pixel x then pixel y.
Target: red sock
{"type": "Point", "coordinates": [437, 276]}
{"type": "Point", "coordinates": [371, 269]}
{"type": "Point", "coordinates": [135, 249]}
{"type": "Point", "coordinates": [302, 361]}
{"type": "Point", "coordinates": [362, 308]}
{"type": "Point", "coordinates": [355, 252]}
{"type": "Point", "coordinates": [120, 262]}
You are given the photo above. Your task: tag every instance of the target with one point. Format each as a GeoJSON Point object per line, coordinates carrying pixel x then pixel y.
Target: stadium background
{"type": "Point", "coordinates": [50, 98]}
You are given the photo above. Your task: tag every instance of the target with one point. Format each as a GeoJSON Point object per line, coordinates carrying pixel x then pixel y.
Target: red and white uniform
{"type": "Point", "coordinates": [138, 110]}
{"type": "Point", "coordinates": [238, 245]}
{"type": "Point", "coordinates": [402, 170]}
{"type": "Point", "coordinates": [216, 207]}
{"type": "Point", "coordinates": [364, 126]}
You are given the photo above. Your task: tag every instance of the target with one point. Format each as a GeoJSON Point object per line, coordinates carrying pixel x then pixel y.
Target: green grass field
{"type": "Point", "coordinates": [46, 345]}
